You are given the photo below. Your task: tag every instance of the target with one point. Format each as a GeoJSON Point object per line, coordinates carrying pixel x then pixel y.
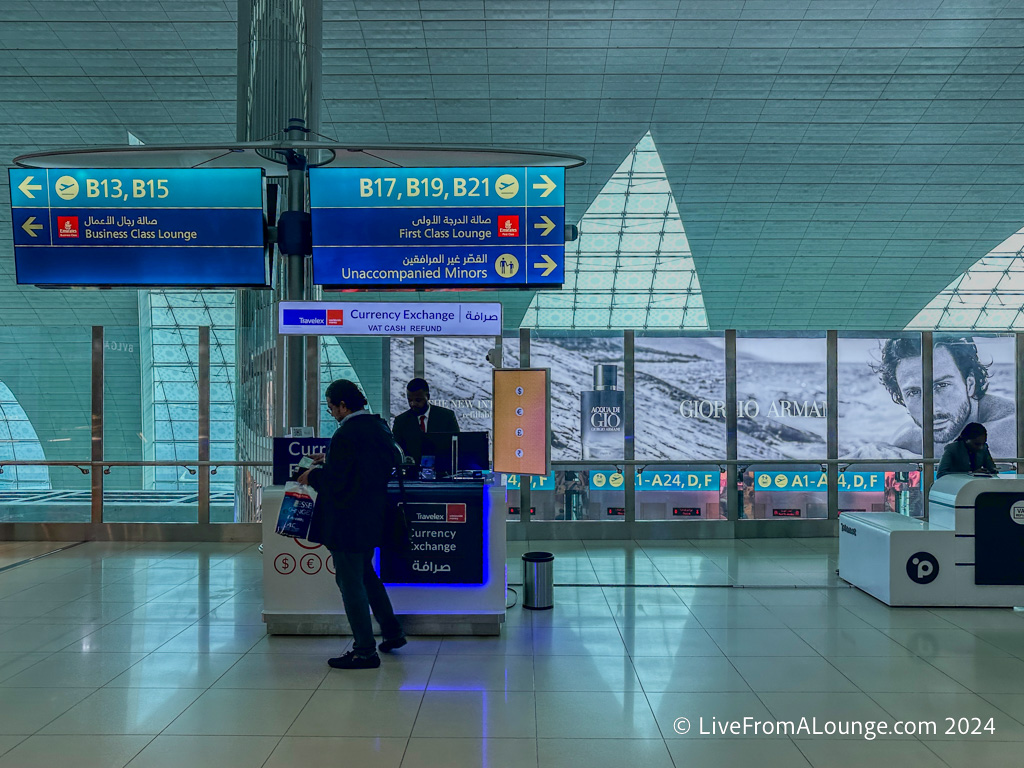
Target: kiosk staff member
{"type": "Point", "coordinates": [421, 418]}
{"type": "Point", "coordinates": [968, 453]}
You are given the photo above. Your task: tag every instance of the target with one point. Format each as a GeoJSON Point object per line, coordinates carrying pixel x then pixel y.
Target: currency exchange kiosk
{"type": "Point", "coordinates": [453, 582]}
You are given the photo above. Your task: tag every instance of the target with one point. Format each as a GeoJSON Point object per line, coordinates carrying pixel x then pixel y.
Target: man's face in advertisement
{"type": "Point", "coordinates": [954, 405]}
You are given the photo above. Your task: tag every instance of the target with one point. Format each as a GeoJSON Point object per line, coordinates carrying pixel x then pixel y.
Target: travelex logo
{"type": "Point", "coordinates": [922, 568]}
{"type": "Point", "coordinates": [314, 317]}
{"type": "Point", "coordinates": [67, 226]}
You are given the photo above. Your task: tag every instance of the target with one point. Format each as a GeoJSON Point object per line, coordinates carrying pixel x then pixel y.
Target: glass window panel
{"type": "Point", "coordinates": [459, 376]}
{"type": "Point", "coordinates": [576, 405]}
{"type": "Point", "coordinates": [781, 398]}
{"type": "Point", "coordinates": [871, 424]}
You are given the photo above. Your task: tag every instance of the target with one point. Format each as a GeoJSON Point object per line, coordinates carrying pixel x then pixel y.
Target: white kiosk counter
{"type": "Point", "coordinates": [453, 584]}
{"type": "Point", "coordinates": [969, 553]}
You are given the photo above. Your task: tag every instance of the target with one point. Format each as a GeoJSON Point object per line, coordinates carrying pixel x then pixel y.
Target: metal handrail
{"type": "Point", "coordinates": [85, 466]}
{"type": "Point", "coordinates": [723, 463]}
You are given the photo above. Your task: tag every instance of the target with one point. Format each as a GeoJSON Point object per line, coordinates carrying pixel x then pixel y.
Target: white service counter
{"type": "Point", "coordinates": [461, 584]}
{"type": "Point", "coordinates": [969, 553]}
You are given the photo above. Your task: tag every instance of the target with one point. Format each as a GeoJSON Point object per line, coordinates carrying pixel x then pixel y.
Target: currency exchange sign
{"type": "Point", "coordinates": [139, 227]}
{"type": "Point", "coordinates": [438, 227]}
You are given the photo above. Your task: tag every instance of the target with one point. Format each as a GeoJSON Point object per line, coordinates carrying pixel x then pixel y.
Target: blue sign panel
{"type": "Point", "coordinates": [438, 227]}
{"type": "Point", "coordinates": [817, 482]}
{"type": "Point", "coordinates": [652, 480]}
{"type": "Point", "coordinates": [537, 482]}
{"type": "Point", "coordinates": [189, 227]}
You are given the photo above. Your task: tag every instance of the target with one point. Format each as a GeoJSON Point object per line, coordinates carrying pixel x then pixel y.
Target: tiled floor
{"type": "Point", "coordinates": [152, 655]}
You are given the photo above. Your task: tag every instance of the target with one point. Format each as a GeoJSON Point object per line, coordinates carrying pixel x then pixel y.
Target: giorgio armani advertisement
{"type": "Point", "coordinates": [781, 392]}
{"type": "Point", "coordinates": [881, 394]}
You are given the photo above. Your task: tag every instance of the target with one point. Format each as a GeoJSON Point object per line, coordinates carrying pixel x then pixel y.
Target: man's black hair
{"type": "Point", "coordinates": [973, 430]}
{"type": "Point", "coordinates": [345, 391]}
{"type": "Point", "coordinates": [417, 384]}
{"type": "Point", "coordinates": [961, 348]}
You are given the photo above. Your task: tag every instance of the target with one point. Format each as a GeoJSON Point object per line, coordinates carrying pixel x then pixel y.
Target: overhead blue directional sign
{"type": "Point", "coordinates": [173, 227]}
{"type": "Point", "coordinates": [438, 227]}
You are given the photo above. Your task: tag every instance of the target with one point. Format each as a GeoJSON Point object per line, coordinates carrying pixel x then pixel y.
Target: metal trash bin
{"type": "Point", "coordinates": [538, 580]}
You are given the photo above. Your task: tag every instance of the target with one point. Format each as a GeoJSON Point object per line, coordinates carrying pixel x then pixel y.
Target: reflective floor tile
{"type": "Point", "coordinates": [895, 674]}
{"type": "Point", "coordinates": [797, 673]}
{"type": "Point", "coordinates": [884, 617]}
{"type": "Point", "coordinates": [171, 613]}
{"type": "Point", "coordinates": [853, 707]}
{"type": "Point", "coordinates": [275, 670]}
{"type": "Point", "coordinates": [688, 673]}
{"type": "Point", "coordinates": [485, 673]}
{"type": "Point", "coordinates": [1010, 703]}
{"type": "Point", "coordinates": [715, 596]}
{"type": "Point", "coordinates": [396, 673]}
{"type": "Point", "coordinates": [513, 640]}
{"type": "Point", "coordinates": [40, 638]}
{"type": "Point", "coordinates": [851, 641]}
{"type": "Point", "coordinates": [87, 610]}
{"type": "Point", "coordinates": [983, 618]}
{"type": "Point", "coordinates": [603, 753]}
{"type": "Point", "coordinates": [168, 670]}
{"type": "Point", "coordinates": [236, 712]}
{"type": "Point", "coordinates": [26, 710]}
{"type": "Point", "coordinates": [928, 643]}
{"type": "Point", "coordinates": [711, 751]}
{"type": "Point", "coordinates": [126, 638]}
{"type": "Point", "coordinates": [13, 663]}
{"type": "Point", "coordinates": [577, 641]}
{"type": "Point", "coordinates": [955, 716]}
{"type": "Point", "coordinates": [384, 714]}
{"type": "Point", "coordinates": [976, 753]}
{"type": "Point", "coordinates": [125, 711]}
{"type": "Point", "coordinates": [855, 753]}
{"type": "Point", "coordinates": [720, 707]}
{"type": "Point", "coordinates": [670, 641]}
{"type": "Point", "coordinates": [215, 638]}
{"type": "Point", "coordinates": [15, 611]}
{"type": "Point", "coordinates": [985, 674]}
{"type": "Point", "coordinates": [327, 752]}
{"type": "Point", "coordinates": [761, 642]}
{"type": "Point", "coordinates": [594, 715]}
{"type": "Point", "coordinates": [797, 616]}
{"type": "Point", "coordinates": [80, 751]}
{"type": "Point", "coordinates": [585, 673]}
{"type": "Point", "coordinates": [168, 751]}
{"type": "Point", "coordinates": [307, 645]}
{"type": "Point", "coordinates": [476, 713]}
{"type": "Point", "coordinates": [738, 616]}
{"type": "Point", "coordinates": [448, 752]}
{"type": "Point", "coordinates": [77, 670]}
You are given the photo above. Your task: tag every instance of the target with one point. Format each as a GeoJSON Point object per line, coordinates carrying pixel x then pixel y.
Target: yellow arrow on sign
{"type": "Point", "coordinates": [30, 224]}
{"type": "Point", "coordinates": [548, 265]}
{"type": "Point", "coordinates": [548, 186]}
{"type": "Point", "coordinates": [547, 226]}
{"type": "Point", "coordinates": [26, 186]}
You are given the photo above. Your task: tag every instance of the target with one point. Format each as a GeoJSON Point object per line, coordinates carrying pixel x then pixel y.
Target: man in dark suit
{"type": "Point", "coordinates": [421, 419]}
{"type": "Point", "coordinates": [348, 518]}
{"type": "Point", "coordinates": [968, 453]}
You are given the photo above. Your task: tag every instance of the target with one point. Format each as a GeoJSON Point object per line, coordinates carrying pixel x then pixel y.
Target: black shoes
{"type": "Point", "coordinates": [387, 646]}
{"type": "Point", "coordinates": [351, 661]}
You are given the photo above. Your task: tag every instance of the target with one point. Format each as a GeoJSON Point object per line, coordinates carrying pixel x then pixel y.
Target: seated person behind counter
{"type": "Point", "coordinates": [421, 418]}
{"type": "Point", "coordinates": [968, 453]}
